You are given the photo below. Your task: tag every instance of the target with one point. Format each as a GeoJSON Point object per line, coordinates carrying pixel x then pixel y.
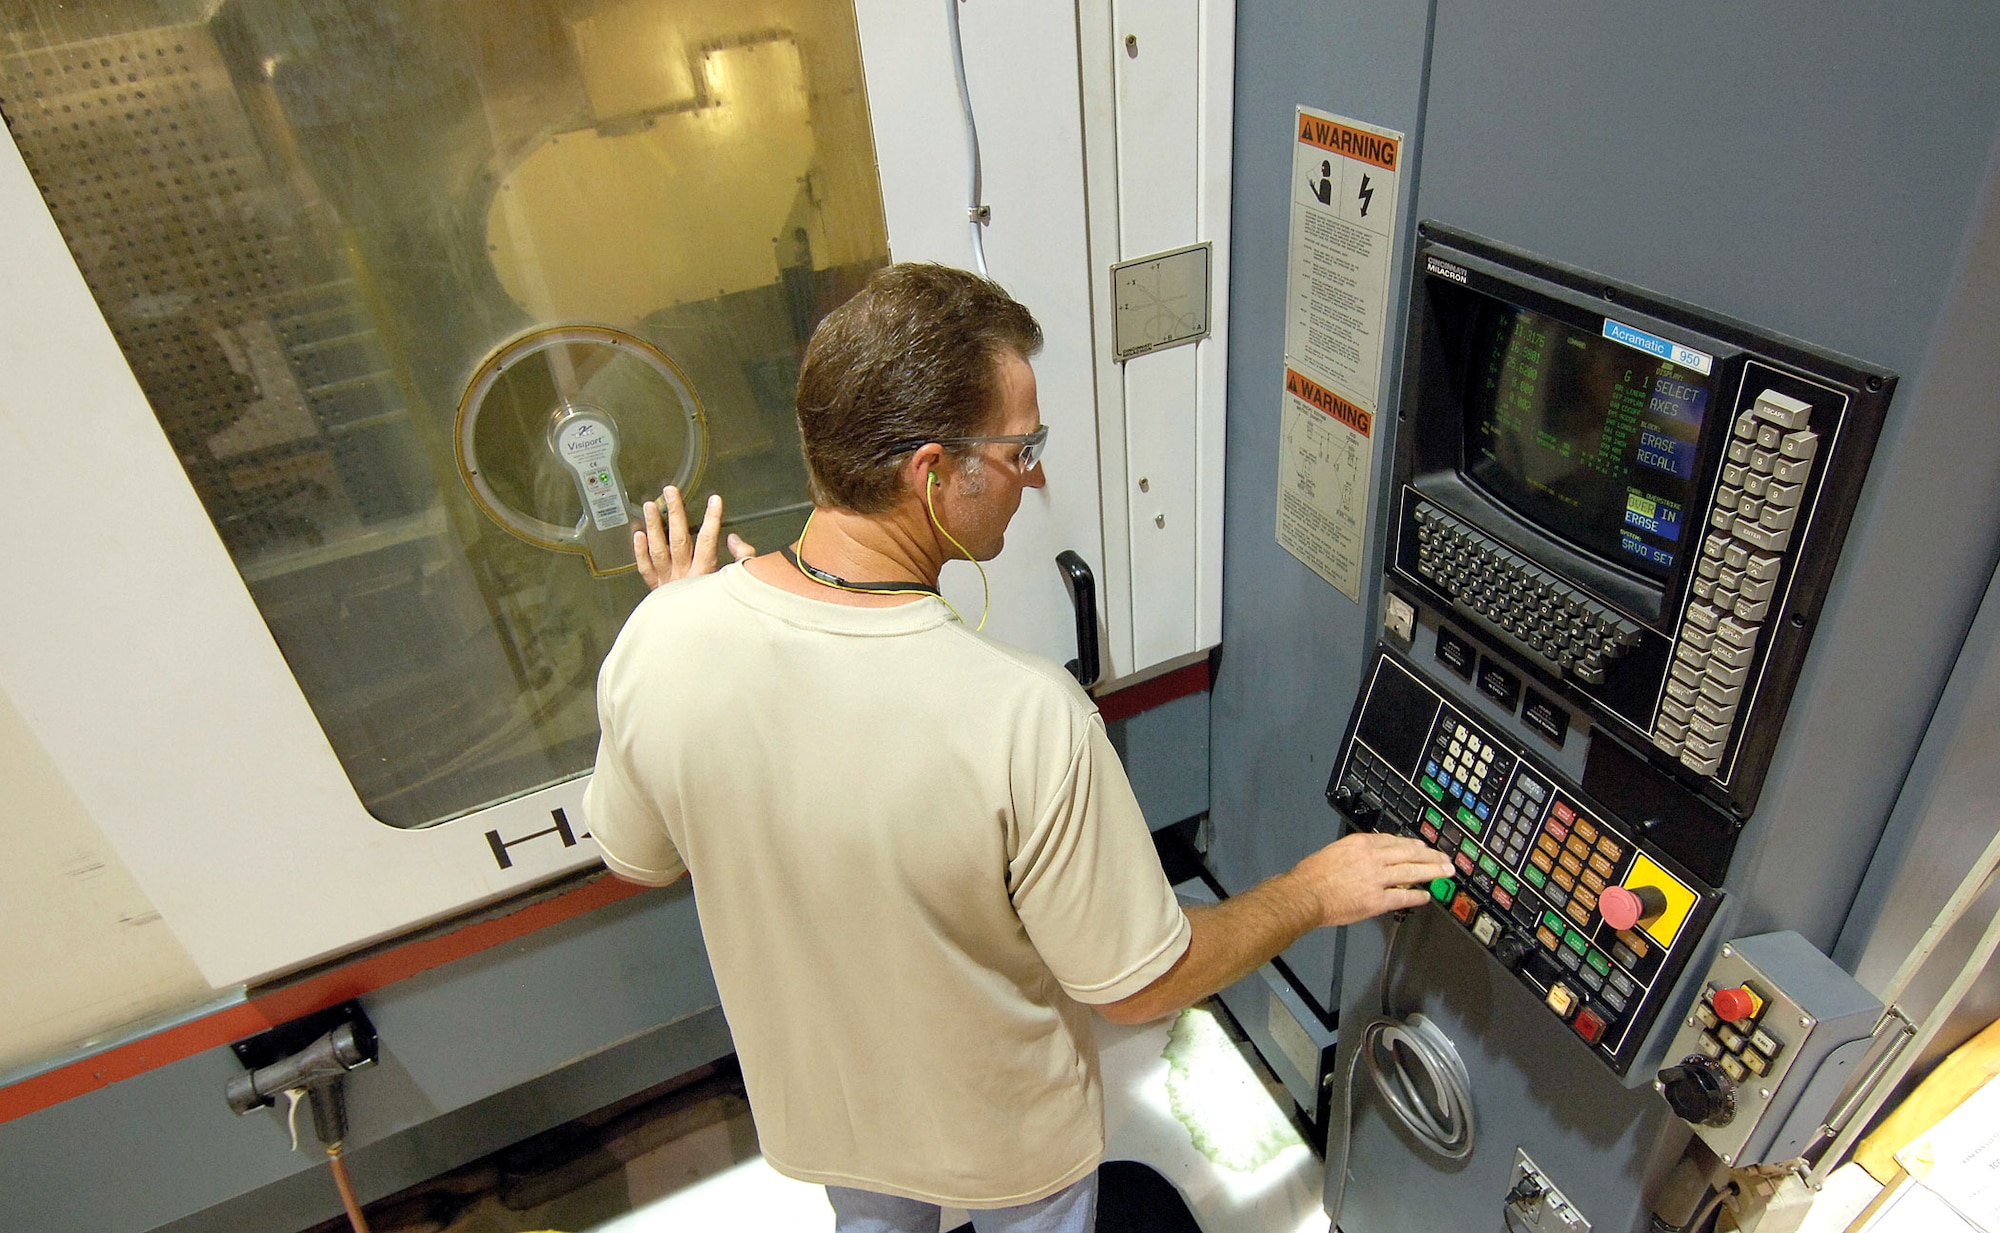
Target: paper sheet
{"type": "Point", "coordinates": [1325, 454]}
{"type": "Point", "coordinates": [1958, 1160]}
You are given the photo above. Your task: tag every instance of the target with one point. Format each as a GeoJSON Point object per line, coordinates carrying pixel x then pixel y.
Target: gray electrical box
{"type": "Point", "coordinates": [1771, 1042]}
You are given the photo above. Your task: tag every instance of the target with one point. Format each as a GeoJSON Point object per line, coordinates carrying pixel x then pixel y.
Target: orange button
{"type": "Point", "coordinates": [1585, 830]}
{"type": "Point", "coordinates": [1464, 908]}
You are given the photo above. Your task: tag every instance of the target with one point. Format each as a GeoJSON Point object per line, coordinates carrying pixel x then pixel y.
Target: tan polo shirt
{"type": "Point", "coordinates": [915, 854]}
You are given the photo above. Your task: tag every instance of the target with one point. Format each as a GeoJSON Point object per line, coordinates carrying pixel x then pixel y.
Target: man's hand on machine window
{"type": "Point", "coordinates": [665, 552]}
{"type": "Point", "coordinates": [1367, 874]}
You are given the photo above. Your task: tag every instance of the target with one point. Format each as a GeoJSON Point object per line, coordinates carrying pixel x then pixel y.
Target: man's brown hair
{"type": "Point", "coordinates": [912, 358]}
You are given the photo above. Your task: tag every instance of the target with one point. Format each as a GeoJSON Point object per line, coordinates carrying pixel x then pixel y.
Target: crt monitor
{"type": "Point", "coordinates": [1584, 437]}
{"type": "Point", "coordinates": [1634, 502]}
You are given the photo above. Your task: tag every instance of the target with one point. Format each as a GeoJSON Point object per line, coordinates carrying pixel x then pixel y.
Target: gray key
{"type": "Point", "coordinates": [1782, 409]}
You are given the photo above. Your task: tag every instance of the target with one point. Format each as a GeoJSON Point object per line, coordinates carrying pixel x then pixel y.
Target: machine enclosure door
{"type": "Point", "coordinates": [154, 684]}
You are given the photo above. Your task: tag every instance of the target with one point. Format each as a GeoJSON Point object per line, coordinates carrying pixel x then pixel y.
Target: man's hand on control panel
{"type": "Point", "coordinates": [1366, 874]}
{"type": "Point", "coordinates": [1351, 879]}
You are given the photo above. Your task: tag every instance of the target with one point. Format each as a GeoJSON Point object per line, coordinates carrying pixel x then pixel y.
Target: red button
{"type": "Point", "coordinates": [1621, 908]}
{"type": "Point", "coordinates": [1464, 862]}
{"type": "Point", "coordinates": [1588, 1025]}
{"type": "Point", "coordinates": [1464, 908]}
{"type": "Point", "coordinates": [1735, 1005]}
{"type": "Point", "coordinates": [1501, 897]}
{"type": "Point", "coordinates": [1624, 907]}
{"type": "Point", "coordinates": [1563, 813]}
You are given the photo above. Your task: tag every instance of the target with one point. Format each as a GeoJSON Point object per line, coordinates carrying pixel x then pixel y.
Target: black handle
{"type": "Point", "coordinates": [1082, 587]}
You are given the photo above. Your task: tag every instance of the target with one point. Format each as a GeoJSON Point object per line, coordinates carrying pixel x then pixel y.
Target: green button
{"type": "Point", "coordinates": [1469, 819]}
{"type": "Point", "coordinates": [1554, 922]}
{"type": "Point", "coordinates": [1432, 789]}
{"type": "Point", "coordinates": [1433, 817]}
{"type": "Point", "coordinates": [1534, 874]}
{"type": "Point", "coordinates": [1469, 848]}
{"type": "Point", "coordinates": [1575, 942]}
{"type": "Point", "coordinates": [1597, 960]}
{"type": "Point", "coordinates": [1491, 866]}
{"type": "Point", "coordinates": [1444, 889]}
{"type": "Point", "coordinates": [1508, 884]}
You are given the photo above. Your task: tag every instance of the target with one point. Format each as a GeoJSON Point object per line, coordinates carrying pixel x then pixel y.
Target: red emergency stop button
{"type": "Point", "coordinates": [1623, 907]}
{"type": "Point", "coordinates": [1737, 1004]}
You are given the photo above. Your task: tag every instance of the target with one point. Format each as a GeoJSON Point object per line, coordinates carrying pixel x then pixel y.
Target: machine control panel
{"type": "Point", "coordinates": [1774, 1019]}
{"type": "Point", "coordinates": [1596, 924]}
{"type": "Point", "coordinates": [1637, 502]}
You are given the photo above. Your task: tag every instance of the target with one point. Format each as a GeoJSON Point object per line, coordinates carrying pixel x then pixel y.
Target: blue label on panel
{"type": "Point", "coordinates": [1630, 542]}
{"type": "Point", "coordinates": [1664, 453]}
{"type": "Point", "coordinates": [1677, 400]}
{"type": "Point", "coordinates": [1653, 344]}
{"type": "Point", "coordinates": [1653, 515]}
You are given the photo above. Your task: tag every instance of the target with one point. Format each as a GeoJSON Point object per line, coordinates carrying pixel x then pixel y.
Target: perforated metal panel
{"type": "Point", "coordinates": [247, 336]}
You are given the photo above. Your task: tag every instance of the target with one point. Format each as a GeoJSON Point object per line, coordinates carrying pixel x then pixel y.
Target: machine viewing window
{"type": "Point", "coordinates": [1594, 440]}
{"type": "Point", "coordinates": [310, 224]}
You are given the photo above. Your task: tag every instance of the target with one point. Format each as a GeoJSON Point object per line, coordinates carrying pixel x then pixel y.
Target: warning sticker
{"type": "Point", "coordinates": [1368, 145]}
{"type": "Point", "coordinates": [1325, 462]}
{"type": "Point", "coordinates": [1345, 176]}
{"type": "Point", "coordinates": [1331, 403]}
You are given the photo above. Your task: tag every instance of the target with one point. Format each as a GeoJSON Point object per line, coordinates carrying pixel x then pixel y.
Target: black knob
{"type": "Point", "coordinates": [1698, 1092]}
{"type": "Point", "coordinates": [1367, 811]}
{"type": "Point", "coordinates": [1354, 799]}
{"type": "Point", "coordinates": [1512, 949]}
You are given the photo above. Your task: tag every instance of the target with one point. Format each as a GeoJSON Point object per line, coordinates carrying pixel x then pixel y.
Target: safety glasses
{"type": "Point", "coordinates": [1031, 444]}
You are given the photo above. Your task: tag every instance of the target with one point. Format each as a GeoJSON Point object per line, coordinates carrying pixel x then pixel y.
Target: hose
{"type": "Point", "coordinates": [1445, 1127]}
{"type": "Point", "coordinates": [346, 1188]}
{"type": "Point", "coordinates": [975, 210]}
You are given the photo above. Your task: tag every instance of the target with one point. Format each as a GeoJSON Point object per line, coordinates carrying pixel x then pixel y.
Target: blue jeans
{"type": "Point", "coordinates": [1072, 1209]}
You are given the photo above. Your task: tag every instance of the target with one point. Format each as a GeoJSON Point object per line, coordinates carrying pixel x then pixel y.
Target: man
{"type": "Point", "coordinates": [916, 859]}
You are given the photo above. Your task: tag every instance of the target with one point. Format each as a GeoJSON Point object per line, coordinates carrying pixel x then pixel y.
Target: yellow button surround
{"type": "Point", "coordinates": [1680, 900]}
